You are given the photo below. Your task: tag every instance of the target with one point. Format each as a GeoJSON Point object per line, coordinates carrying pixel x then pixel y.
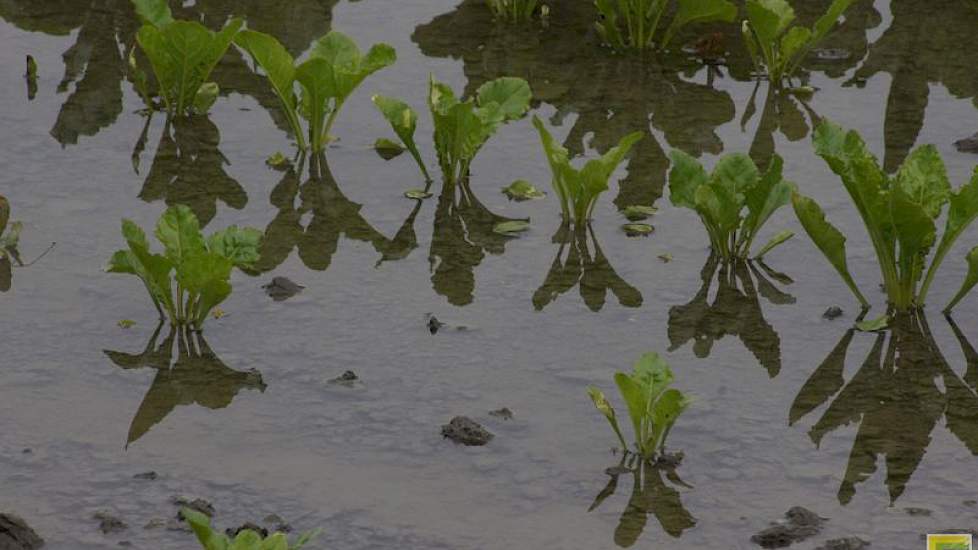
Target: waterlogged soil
{"type": "Point", "coordinates": [787, 409]}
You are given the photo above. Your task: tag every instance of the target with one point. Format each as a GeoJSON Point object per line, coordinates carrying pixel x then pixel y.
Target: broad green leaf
{"type": "Point", "coordinates": [827, 238]}
{"type": "Point", "coordinates": [348, 69]}
{"type": "Point", "coordinates": [212, 294]}
{"type": "Point", "coordinates": [767, 196]}
{"type": "Point", "coordinates": [269, 54]}
{"type": "Point", "coordinates": [653, 373]}
{"type": "Point", "coordinates": [963, 211]}
{"type": "Point", "coordinates": [847, 156]}
{"type": "Point", "coordinates": [736, 173]}
{"type": "Point", "coordinates": [636, 398]}
{"type": "Point", "coordinates": [915, 234]}
{"type": "Point", "coordinates": [205, 97]}
{"type": "Point", "coordinates": [769, 18]}
{"type": "Point", "coordinates": [240, 245]}
{"type": "Point", "coordinates": [388, 149]}
{"type": "Point", "coordinates": [316, 78]}
{"type": "Point", "coordinates": [179, 232]}
{"type": "Point", "coordinates": [792, 43]}
{"type": "Point", "coordinates": [874, 325]}
{"type": "Point", "coordinates": [153, 12]}
{"type": "Point", "coordinates": [441, 98]}
{"type": "Point", "coordinates": [828, 20]}
{"type": "Point", "coordinates": [511, 228]}
{"type": "Point", "coordinates": [276, 541]}
{"type": "Point", "coordinates": [970, 280]}
{"type": "Point", "coordinates": [521, 190]}
{"type": "Point", "coordinates": [134, 235]}
{"type": "Point", "coordinates": [666, 410]}
{"type": "Point", "coordinates": [596, 172]}
{"type": "Point", "coordinates": [201, 525]}
{"type": "Point", "coordinates": [510, 93]}
{"type": "Point", "coordinates": [720, 205]}
{"type": "Point", "coordinates": [203, 269]}
{"type": "Point", "coordinates": [775, 241]}
{"type": "Point", "coordinates": [686, 175]}
{"type": "Point", "coordinates": [120, 263]}
{"type": "Point", "coordinates": [403, 120]}
{"type": "Point", "coordinates": [923, 179]}
{"type": "Point", "coordinates": [699, 11]}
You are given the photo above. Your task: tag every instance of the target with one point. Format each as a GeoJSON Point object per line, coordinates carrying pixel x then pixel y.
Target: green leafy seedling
{"type": "Point", "coordinates": [522, 190]}
{"type": "Point", "coordinates": [192, 276]}
{"type": "Point", "coordinates": [334, 70]}
{"type": "Point", "coordinates": [182, 54]}
{"type": "Point", "coordinates": [578, 189]}
{"type": "Point", "coordinates": [777, 47]}
{"type": "Point", "coordinates": [635, 24]}
{"type": "Point", "coordinates": [653, 407]}
{"type": "Point", "coordinates": [246, 539]}
{"type": "Point", "coordinates": [899, 213]}
{"type": "Point", "coordinates": [733, 202]}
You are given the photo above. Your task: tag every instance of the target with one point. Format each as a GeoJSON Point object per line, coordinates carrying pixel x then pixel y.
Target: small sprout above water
{"type": "Point", "coordinates": [874, 325]}
{"type": "Point", "coordinates": [218, 313]}
{"type": "Point", "coordinates": [521, 190]}
{"type": "Point", "coordinates": [417, 194]}
{"type": "Point", "coordinates": [637, 229]}
{"type": "Point", "coordinates": [638, 212]}
{"type": "Point", "coordinates": [511, 228]}
{"type": "Point", "coordinates": [652, 406]}
{"type": "Point", "coordinates": [126, 323]}
{"type": "Point", "coordinates": [278, 161]}
{"type": "Point", "coordinates": [388, 148]}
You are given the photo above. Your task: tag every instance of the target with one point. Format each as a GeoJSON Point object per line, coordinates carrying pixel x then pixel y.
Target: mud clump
{"type": "Point", "coordinates": [198, 504]}
{"type": "Point", "coordinates": [147, 476]}
{"type": "Point", "coordinates": [832, 313]}
{"type": "Point", "coordinates": [798, 525]}
{"type": "Point", "coordinates": [847, 543]}
{"type": "Point", "coordinates": [15, 534]}
{"type": "Point", "coordinates": [348, 378]}
{"type": "Point", "coordinates": [466, 431]}
{"type": "Point", "coordinates": [108, 523]}
{"type": "Point", "coordinates": [503, 413]}
{"type": "Point", "coordinates": [232, 532]}
{"type": "Point", "coordinates": [282, 288]}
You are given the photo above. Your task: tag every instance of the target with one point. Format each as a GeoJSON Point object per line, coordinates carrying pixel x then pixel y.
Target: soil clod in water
{"type": "Point", "coordinates": [15, 534]}
{"type": "Point", "coordinates": [832, 313]}
{"type": "Point", "coordinates": [282, 288]}
{"type": "Point", "coordinates": [466, 431]}
{"type": "Point", "coordinates": [503, 413]}
{"type": "Point", "coordinates": [799, 524]}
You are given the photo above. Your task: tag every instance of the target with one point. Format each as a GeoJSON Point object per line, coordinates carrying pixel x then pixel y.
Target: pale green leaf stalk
{"type": "Point", "coordinates": [578, 189]}
{"type": "Point", "coordinates": [969, 281]}
{"type": "Point", "coordinates": [899, 214]}
{"type": "Point", "coordinates": [775, 46]}
{"type": "Point", "coordinates": [653, 407]}
{"type": "Point", "coordinates": [192, 276]}
{"type": "Point", "coordinates": [334, 70]}
{"type": "Point", "coordinates": [733, 202]}
{"type": "Point", "coordinates": [636, 24]}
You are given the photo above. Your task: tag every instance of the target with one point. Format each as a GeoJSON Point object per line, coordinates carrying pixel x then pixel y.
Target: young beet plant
{"type": "Point", "coordinates": [578, 189]}
{"type": "Point", "coordinates": [514, 11]}
{"type": "Point", "coordinates": [246, 539]}
{"type": "Point", "coordinates": [635, 24]}
{"type": "Point", "coordinates": [900, 214]}
{"type": "Point", "coordinates": [462, 127]}
{"type": "Point", "coordinates": [192, 276]}
{"type": "Point", "coordinates": [332, 73]}
{"type": "Point", "coordinates": [775, 45]}
{"type": "Point", "coordinates": [652, 406]}
{"type": "Point", "coordinates": [733, 202]}
{"type": "Point", "coordinates": [182, 54]}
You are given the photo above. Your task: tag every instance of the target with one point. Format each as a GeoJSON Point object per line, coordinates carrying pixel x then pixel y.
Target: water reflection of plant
{"type": "Point", "coordinates": [586, 266]}
{"type": "Point", "coordinates": [196, 376]}
{"type": "Point", "coordinates": [651, 495]}
{"type": "Point", "coordinates": [898, 396]}
{"type": "Point", "coordinates": [735, 310]}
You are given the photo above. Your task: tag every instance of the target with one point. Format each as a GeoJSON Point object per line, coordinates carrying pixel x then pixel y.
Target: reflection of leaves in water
{"type": "Point", "coordinates": [332, 216]}
{"type": "Point", "coordinates": [189, 169]}
{"type": "Point", "coordinates": [735, 310]}
{"type": "Point", "coordinates": [592, 271]}
{"type": "Point", "coordinates": [197, 376]}
{"type": "Point", "coordinates": [927, 42]}
{"type": "Point", "coordinates": [783, 113]}
{"type": "Point", "coordinates": [651, 495]}
{"type": "Point", "coordinates": [462, 234]}
{"type": "Point", "coordinates": [611, 95]}
{"type": "Point", "coordinates": [895, 399]}
{"type": "Point", "coordinates": [106, 28]}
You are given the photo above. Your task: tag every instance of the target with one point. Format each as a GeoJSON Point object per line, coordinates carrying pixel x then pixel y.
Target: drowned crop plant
{"type": "Point", "coordinates": [636, 24]}
{"type": "Point", "coordinates": [462, 126]}
{"type": "Point", "coordinates": [653, 407]}
{"type": "Point", "coordinates": [578, 189]}
{"type": "Point", "coordinates": [900, 215]}
{"type": "Point", "coordinates": [334, 70]}
{"type": "Point", "coordinates": [733, 202]}
{"type": "Point", "coordinates": [182, 54]}
{"type": "Point", "coordinates": [192, 276]}
{"type": "Point", "coordinates": [775, 46]}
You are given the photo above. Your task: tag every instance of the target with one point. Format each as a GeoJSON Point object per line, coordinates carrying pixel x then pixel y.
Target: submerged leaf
{"type": "Point", "coordinates": [521, 190]}
{"type": "Point", "coordinates": [638, 212]}
{"type": "Point", "coordinates": [417, 194]}
{"type": "Point", "coordinates": [388, 149]}
{"type": "Point", "coordinates": [278, 161]}
{"type": "Point", "coordinates": [874, 325]}
{"type": "Point", "coordinates": [637, 229]}
{"type": "Point", "coordinates": [511, 228]}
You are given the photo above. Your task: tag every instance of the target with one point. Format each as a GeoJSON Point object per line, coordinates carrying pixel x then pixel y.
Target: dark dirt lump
{"type": "Point", "coordinates": [466, 431]}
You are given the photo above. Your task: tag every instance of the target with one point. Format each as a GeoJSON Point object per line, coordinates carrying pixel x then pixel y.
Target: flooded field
{"type": "Point", "coordinates": [439, 316]}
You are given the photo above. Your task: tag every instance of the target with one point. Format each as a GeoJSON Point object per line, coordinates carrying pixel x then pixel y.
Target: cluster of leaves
{"type": "Point", "coordinates": [514, 11]}
{"type": "Point", "coordinates": [899, 212]}
{"type": "Point", "coordinates": [722, 197]}
{"type": "Point", "coordinates": [579, 189]}
{"type": "Point", "coordinates": [246, 539]}
{"type": "Point", "coordinates": [634, 24]}
{"type": "Point", "coordinates": [182, 54]}
{"type": "Point", "coordinates": [777, 46]}
{"type": "Point", "coordinates": [462, 127]}
{"type": "Point", "coordinates": [652, 406]}
{"type": "Point", "coordinates": [201, 267]}
{"type": "Point", "coordinates": [332, 73]}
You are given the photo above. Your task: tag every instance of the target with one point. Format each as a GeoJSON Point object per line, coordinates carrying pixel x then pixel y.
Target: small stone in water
{"type": "Point", "coordinates": [833, 312]}
{"type": "Point", "coordinates": [466, 431]}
